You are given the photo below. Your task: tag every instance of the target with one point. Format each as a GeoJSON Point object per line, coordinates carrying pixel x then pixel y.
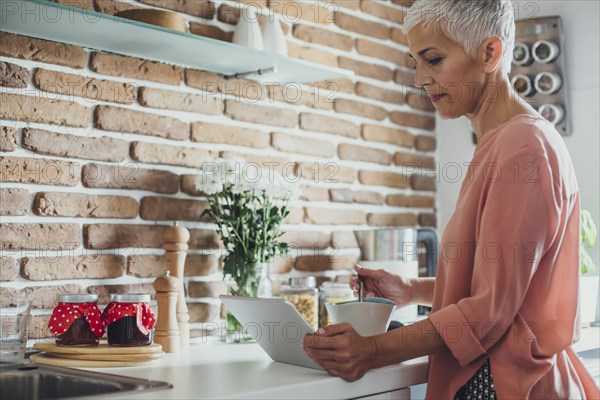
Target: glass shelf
{"type": "Point", "coordinates": [93, 30]}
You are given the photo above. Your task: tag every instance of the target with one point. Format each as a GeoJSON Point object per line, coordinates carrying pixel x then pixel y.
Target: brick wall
{"type": "Point", "coordinates": [99, 151]}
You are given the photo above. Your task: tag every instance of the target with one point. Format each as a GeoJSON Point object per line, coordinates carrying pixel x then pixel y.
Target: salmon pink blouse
{"type": "Point", "coordinates": [508, 276]}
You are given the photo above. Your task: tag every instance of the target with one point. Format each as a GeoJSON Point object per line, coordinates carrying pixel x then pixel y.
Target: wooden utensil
{"type": "Point", "coordinates": [175, 240]}
{"type": "Point", "coordinates": [166, 331]}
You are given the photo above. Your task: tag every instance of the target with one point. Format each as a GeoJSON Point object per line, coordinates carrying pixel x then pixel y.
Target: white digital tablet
{"type": "Point", "coordinates": [275, 325]}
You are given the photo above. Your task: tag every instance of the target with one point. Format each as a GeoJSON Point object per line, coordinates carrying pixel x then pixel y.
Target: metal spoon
{"type": "Point", "coordinates": [361, 290]}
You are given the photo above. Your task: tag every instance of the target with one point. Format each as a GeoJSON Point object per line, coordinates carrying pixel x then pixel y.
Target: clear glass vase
{"type": "Point", "coordinates": [257, 285]}
{"type": "Point", "coordinates": [265, 286]}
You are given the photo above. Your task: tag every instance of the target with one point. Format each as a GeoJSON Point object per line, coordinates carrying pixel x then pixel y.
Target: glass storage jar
{"type": "Point", "coordinates": [547, 82]}
{"type": "Point", "coordinates": [332, 292]}
{"type": "Point", "coordinates": [304, 296]}
{"type": "Point", "coordinates": [129, 320]}
{"type": "Point", "coordinates": [545, 51]}
{"type": "Point", "coordinates": [523, 85]}
{"type": "Point", "coordinates": [521, 54]}
{"type": "Point", "coordinates": [76, 320]}
{"type": "Point", "coordinates": [554, 113]}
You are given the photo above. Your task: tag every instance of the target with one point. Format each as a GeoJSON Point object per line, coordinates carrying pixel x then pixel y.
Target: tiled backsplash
{"type": "Point", "coordinates": [99, 151]}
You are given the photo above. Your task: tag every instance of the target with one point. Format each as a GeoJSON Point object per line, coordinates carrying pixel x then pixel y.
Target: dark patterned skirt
{"type": "Point", "coordinates": [480, 386]}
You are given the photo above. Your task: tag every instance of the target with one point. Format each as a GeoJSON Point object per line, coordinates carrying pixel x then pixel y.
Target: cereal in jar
{"type": "Point", "coordinates": [302, 293]}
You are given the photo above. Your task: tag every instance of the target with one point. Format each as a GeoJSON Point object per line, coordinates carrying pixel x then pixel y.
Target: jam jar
{"type": "Point", "coordinates": [129, 320]}
{"type": "Point", "coordinates": [76, 320]}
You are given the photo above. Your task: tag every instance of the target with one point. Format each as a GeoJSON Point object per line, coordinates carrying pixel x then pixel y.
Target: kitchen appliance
{"type": "Point", "coordinates": [396, 250]}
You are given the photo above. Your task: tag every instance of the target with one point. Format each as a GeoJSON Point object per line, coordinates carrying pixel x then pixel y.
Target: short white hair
{"type": "Point", "coordinates": [468, 23]}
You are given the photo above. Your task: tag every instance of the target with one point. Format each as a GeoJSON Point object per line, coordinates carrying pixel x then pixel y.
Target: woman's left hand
{"type": "Point", "coordinates": [341, 351]}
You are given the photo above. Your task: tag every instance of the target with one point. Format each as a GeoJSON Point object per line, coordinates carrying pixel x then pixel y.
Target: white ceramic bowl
{"type": "Point", "coordinates": [369, 318]}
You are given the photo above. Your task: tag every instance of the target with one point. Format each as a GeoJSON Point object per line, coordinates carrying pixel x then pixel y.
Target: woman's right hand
{"type": "Point", "coordinates": [381, 283]}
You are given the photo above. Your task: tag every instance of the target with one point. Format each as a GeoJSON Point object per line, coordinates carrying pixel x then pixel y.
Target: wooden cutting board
{"type": "Point", "coordinates": [102, 348]}
{"type": "Point", "coordinates": [99, 356]}
{"type": "Point", "coordinates": [45, 358]}
{"type": "Point", "coordinates": [108, 357]}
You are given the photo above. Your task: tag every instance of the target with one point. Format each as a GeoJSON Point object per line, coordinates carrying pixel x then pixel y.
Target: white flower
{"type": "Point", "coordinates": [282, 189]}
{"type": "Point", "coordinates": [230, 178]}
{"type": "Point", "coordinates": [229, 170]}
{"type": "Point", "coordinates": [263, 184]}
{"type": "Point", "coordinates": [200, 181]}
{"type": "Point", "coordinates": [241, 187]}
{"type": "Point", "coordinates": [210, 167]}
{"type": "Point", "coordinates": [208, 183]}
{"type": "Point", "coordinates": [237, 177]}
{"type": "Point", "coordinates": [213, 188]}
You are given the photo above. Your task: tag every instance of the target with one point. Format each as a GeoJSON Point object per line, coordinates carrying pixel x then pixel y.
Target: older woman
{"type": "Point", "coordinates": [504, 301]}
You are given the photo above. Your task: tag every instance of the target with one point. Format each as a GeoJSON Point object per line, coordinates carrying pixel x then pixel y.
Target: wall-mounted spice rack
{"type": "Point", "coordinates": [539, 72]}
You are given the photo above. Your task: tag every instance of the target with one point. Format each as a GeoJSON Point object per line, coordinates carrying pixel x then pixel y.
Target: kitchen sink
{"type": "Point", "coordinates": [30, 381]}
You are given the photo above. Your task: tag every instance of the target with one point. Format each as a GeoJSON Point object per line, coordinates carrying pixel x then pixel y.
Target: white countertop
{"type": "Point", "coordinates": [217, 370]}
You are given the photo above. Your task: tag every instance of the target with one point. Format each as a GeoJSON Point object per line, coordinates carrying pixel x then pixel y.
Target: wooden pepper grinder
{"type": "Point", "coordinates": [166, 331]}
{"type": "Point", "coordinates": [175, 244]}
